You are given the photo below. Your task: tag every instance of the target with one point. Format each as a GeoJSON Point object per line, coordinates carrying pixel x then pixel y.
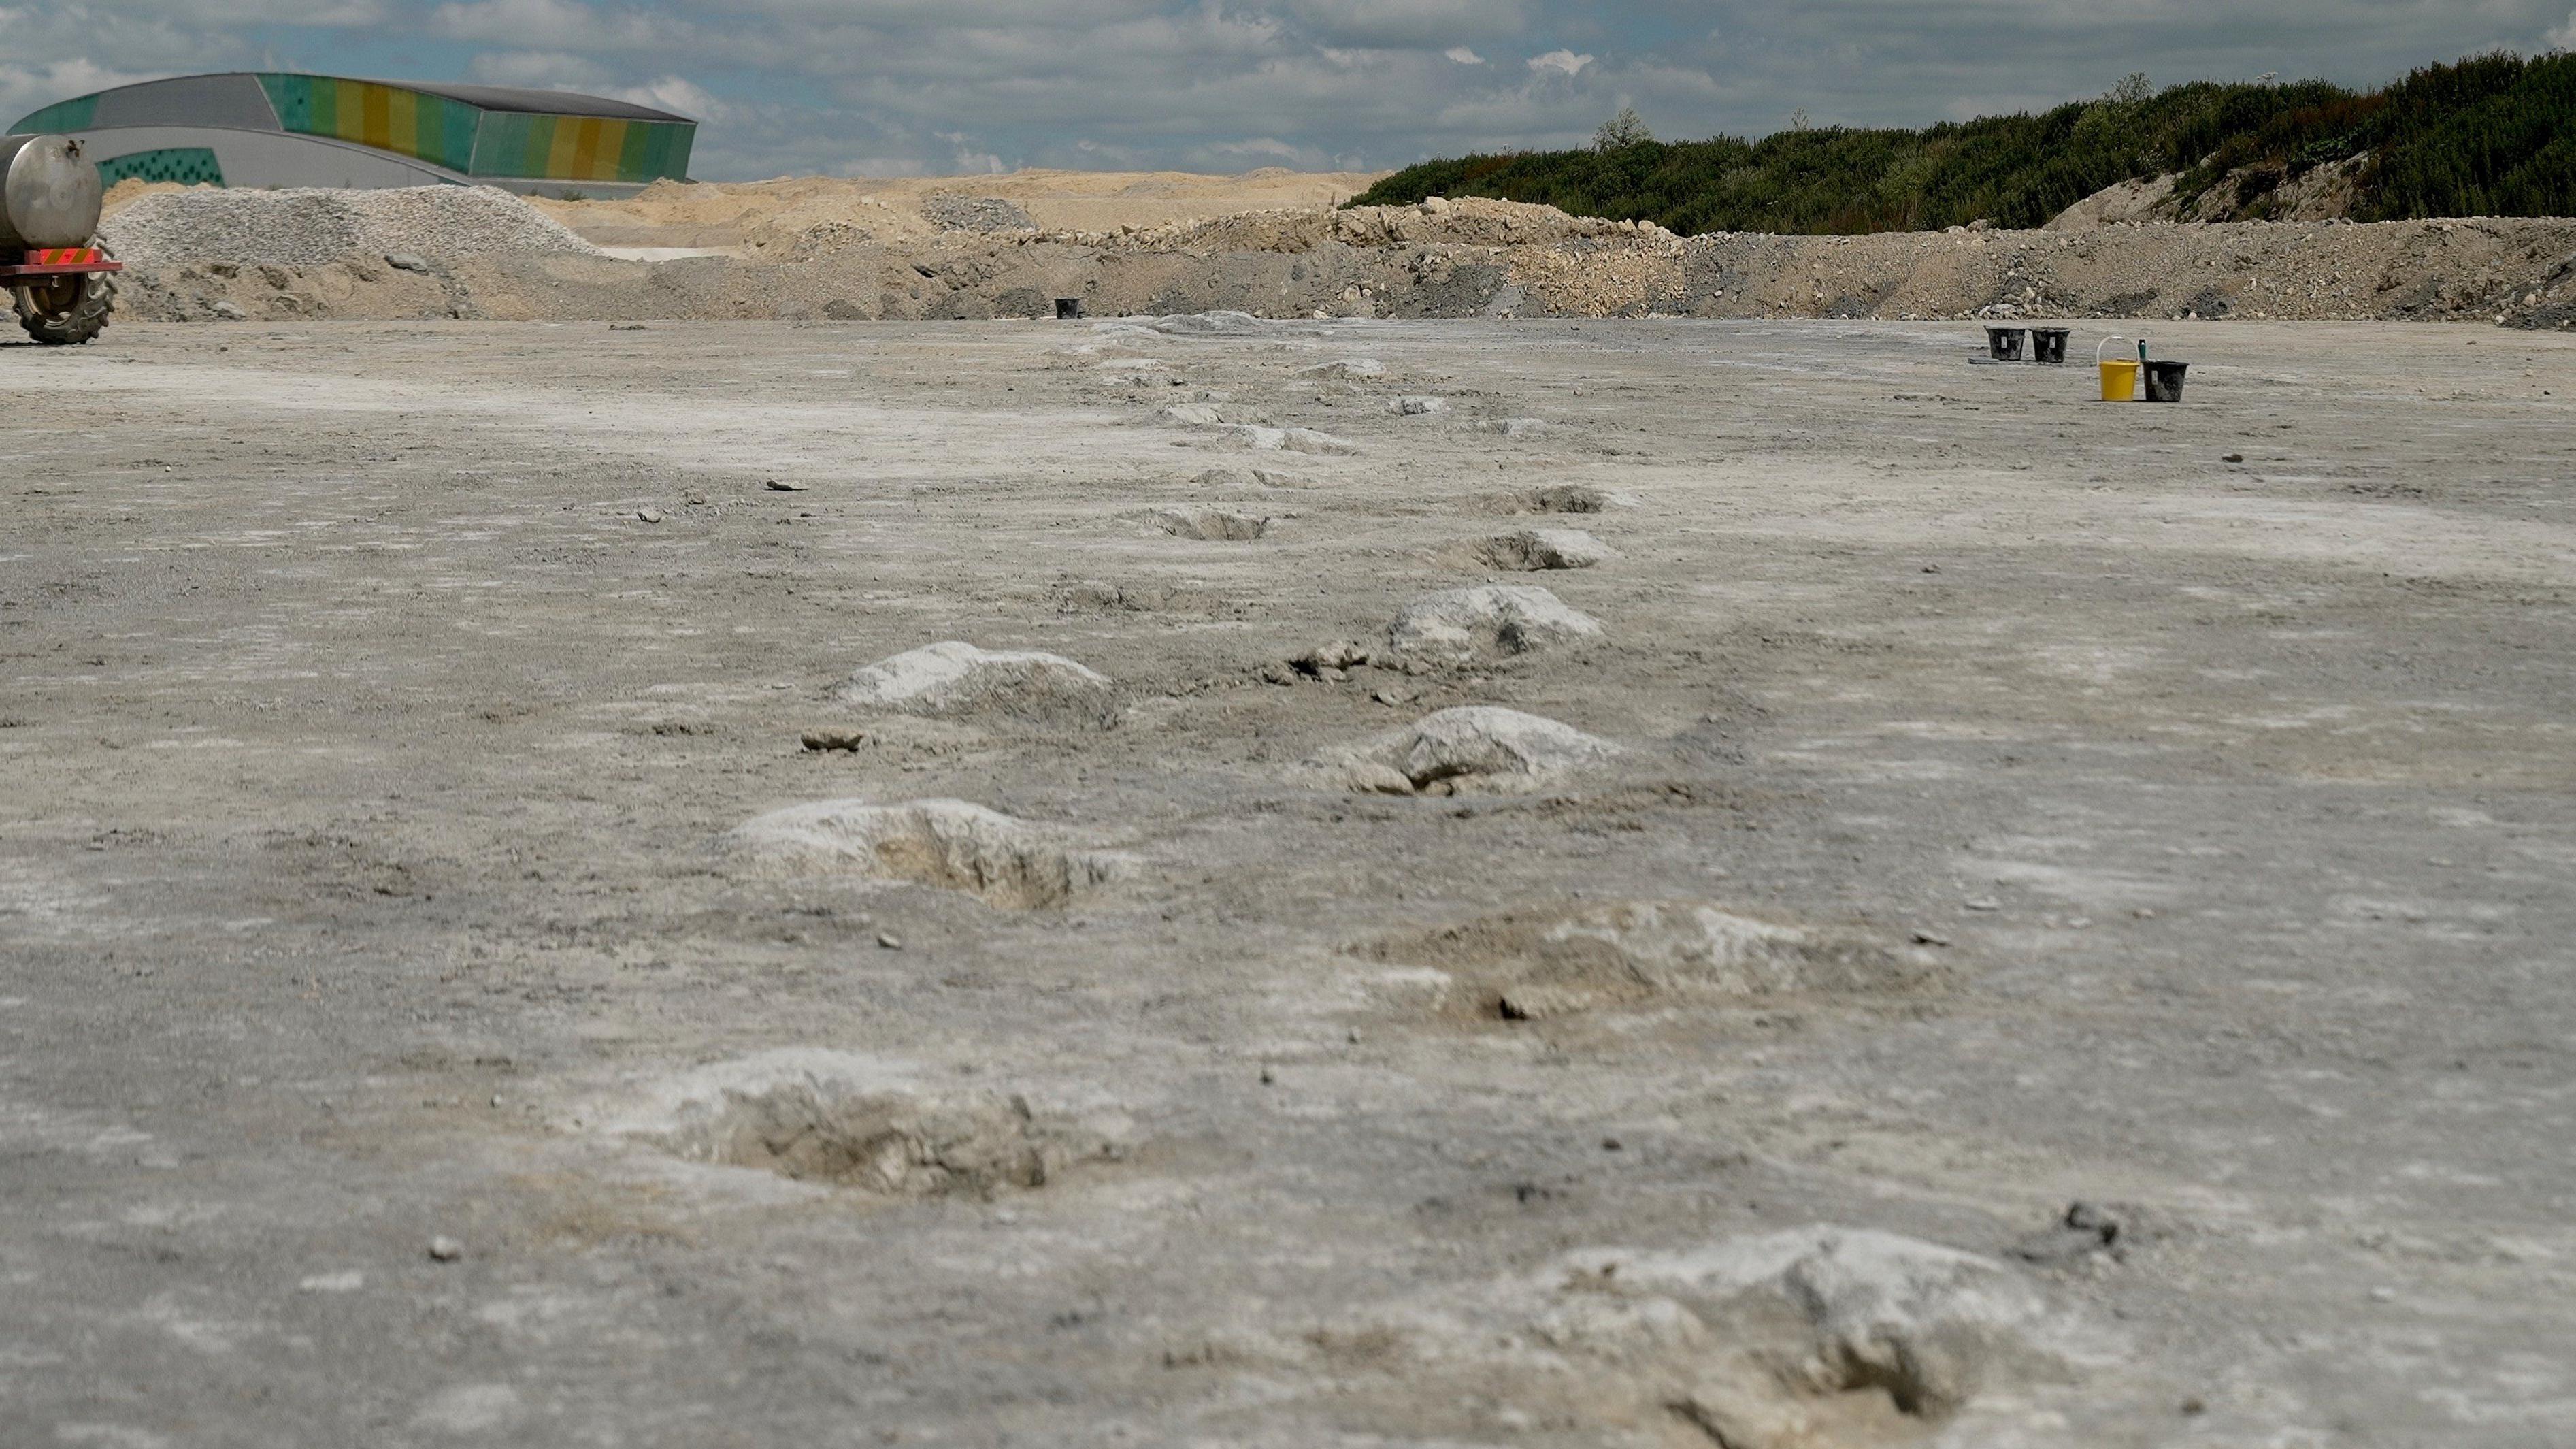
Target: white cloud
{"type": "Point", "coordinates": [542, 69]}
{"type": "Point", "coordinates": [843, 86]}
{"type": "Point", "coordinates": [2564, 37]}
{"type": "Point", "coordinates": [681, 95]}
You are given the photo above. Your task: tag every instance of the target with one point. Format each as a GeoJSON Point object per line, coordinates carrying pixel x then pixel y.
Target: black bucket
{"type": "Point", "coordinates": [2164, 381]}
{"type": "Point", "coordinates": [2003, 344]}
{"type": "Point", "coordinates": [2048, 344]}
{"type": "Point", "coordinates": [1068, 308]}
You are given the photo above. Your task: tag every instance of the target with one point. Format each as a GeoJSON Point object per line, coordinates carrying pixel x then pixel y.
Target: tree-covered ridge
{"type": "Point", "coordinates": [2489, 136]}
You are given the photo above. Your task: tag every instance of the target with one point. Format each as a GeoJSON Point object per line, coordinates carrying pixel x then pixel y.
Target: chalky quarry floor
{"type": "Point", "coordinates": [1995, 801]}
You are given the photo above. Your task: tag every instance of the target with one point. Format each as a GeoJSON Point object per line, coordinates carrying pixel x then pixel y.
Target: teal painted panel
{"type": "Point", "coordinates": [291, 96]}
{"type": "Point", "coordinates": [186, 165]}
{"type": "Point", "coordinates": [61, 116]}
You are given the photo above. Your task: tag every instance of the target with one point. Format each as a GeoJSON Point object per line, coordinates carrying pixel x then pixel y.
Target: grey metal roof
{"type": "Point", "coordinates": [234, 98]}
{"type": "Point", "coordinates": [546, 103]}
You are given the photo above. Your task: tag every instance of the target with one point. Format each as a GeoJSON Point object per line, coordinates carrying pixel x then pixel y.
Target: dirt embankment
{"type": "Point", "coordinates": [830, 250]}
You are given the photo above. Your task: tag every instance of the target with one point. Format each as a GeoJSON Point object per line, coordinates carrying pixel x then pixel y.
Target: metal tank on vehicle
{"type": "Point", "coordinates": [50, 195]}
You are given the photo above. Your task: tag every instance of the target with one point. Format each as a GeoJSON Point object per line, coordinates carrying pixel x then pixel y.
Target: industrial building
{"type": "Point", "coordinates": [277, 129]}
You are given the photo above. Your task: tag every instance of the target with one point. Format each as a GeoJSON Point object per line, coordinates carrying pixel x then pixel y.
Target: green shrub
{"type": "Point", "coordinates": [2490, 135]}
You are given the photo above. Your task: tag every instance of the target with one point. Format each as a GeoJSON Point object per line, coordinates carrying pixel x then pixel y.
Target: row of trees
{"type": "Point", "coordinates": [2492, 135]}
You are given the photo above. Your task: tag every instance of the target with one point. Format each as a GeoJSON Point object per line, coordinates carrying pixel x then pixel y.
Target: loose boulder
{"type": "Point", "coordinates": [1211, 524]}
{"type": "Point", "coordinates": [1473, 748]}
{"type": "Point", "coordinates": [954, 678]}
{"type": "Point", "coordinates": [1531, 964]}
{"type": "Point", "coordinates": [1350, 368]}
{"type": "Point", "coordinates": [1297, 440]}
{"type": "Point", "coordinates": [949, 844]}
{"type": "Point", "coordinates": [1532, 550]}
{"type": "Point", "coordinates": [1926, 1324]}
{"type": "Point", "coordinates": [847, 1120]}
{"type": "Point", "coordinates": [1489, 620]}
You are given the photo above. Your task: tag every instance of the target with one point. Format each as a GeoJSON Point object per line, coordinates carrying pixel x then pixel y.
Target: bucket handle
{"type": "Point", "coordinates": [2107, 341]}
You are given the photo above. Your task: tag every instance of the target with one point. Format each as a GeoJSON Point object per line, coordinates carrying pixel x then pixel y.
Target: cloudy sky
{"type": "Point", "coordinates": [882, 87]}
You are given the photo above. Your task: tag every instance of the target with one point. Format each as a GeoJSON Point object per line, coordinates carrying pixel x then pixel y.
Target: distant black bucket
{"type": "Point", "coordinates": [2048, 344]}
{"type": "Point", "coordinates": [2003, 344]}
{"type": "Point", "coordinates": [2164, 381]}
{"type": "Point", "coordinates": [1068, 308]}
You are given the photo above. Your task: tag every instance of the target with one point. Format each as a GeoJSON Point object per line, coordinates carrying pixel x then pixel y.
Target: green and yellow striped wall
{"type": "Point", "coordinates": [475, 141]}
{"type": "Point", "coordinates": [389, 118]}
{"type": "Point", "coordinates": [580, 148]}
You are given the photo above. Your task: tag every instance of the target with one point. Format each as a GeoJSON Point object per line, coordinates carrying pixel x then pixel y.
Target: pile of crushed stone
{"type": "Point", "coordinates": [200, 255]}
{"type": "Point", "coordinates": [949, 211]}
{"type": "Point", "coordinates": [304, 227]}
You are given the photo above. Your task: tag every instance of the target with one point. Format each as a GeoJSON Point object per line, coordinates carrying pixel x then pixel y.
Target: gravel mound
{"type": "Point", "coordinates": [302, 227]}
{"type": "Point", "coordinates": [950, 211]}
{"type": "Point", "coordinates": [1491, 619]}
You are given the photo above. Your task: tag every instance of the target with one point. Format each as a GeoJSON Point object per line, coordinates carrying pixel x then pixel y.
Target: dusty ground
{"type": "Point", "coordinates": [805, 261]}
{"type": "Point", "coordinates": [364, 753]}
{"type": "Point", "coordinates": [757, 216]}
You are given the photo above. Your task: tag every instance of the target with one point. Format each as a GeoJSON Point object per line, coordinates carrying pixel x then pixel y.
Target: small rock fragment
{"type": "Point", "coordinates": [445, 1249]}
{"type": "Point", "coordinates": [833, 737]}
{"type": "Point", "coordinates": [784, 485]}
{"type": "Point", "coordinates": [2233, 458]}
{"type": "Point", "coordinates": [649, 515]}
{"type": "Point", "coordinates": [1418, 407]}
{"type": "Point", "coordinates": [2083, 1228]}
{"type": "Point", "coordinates": [1573, 498]}
{"type": "Point", "coordinates": [406, 262]}
{"type": "Point", "coordinates": [230, 312]}
{"type": "Point", "coordinates": [694, 498]}
{"type": "Point", "coordinates": [888, 940]}
{"type": "Point", "coordinates": [1338, 655]}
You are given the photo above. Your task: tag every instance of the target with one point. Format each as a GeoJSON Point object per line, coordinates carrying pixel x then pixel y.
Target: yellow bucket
{"type": "Point", "coordinates": [2119, 378]}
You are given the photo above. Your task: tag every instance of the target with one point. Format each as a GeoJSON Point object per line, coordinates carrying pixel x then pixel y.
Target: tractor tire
{"type": "Point", "coordinates": [68, 310]}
